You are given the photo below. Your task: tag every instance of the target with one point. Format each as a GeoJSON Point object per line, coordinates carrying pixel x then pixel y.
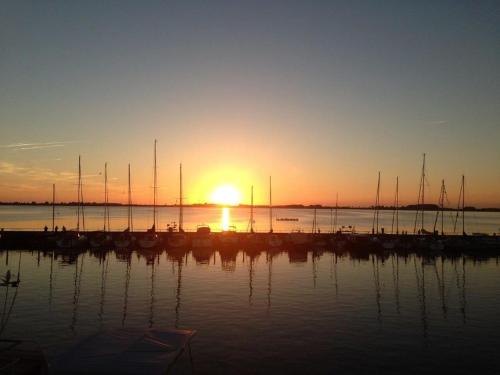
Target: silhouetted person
{"type": "Point", "coordinates": [64, 228]}
{"type": "Point", "coordinates": [45, 228]}
{"type": "Point", "coordinates": [56, 229]}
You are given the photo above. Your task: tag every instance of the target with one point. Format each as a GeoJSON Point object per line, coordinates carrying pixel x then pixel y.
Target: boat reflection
{"type": "Point", "coordinates": [444, 274]}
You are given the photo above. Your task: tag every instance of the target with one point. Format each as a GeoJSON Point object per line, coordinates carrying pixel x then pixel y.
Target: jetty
{"type": "Point", "coordinates": [235, 241]}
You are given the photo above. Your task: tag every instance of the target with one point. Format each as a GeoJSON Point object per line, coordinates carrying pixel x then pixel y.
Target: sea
{"type": "Point", "coordinates": [293, 311]}
{"type": "Point", "coordinates": [27, 217]}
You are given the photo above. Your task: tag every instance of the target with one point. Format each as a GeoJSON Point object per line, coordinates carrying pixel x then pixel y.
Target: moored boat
{"type": "Point", "coordinates": [229, 237]}
{"type": "Point", "coordinates": [202, 238]}
{"type": "Point", "coordinates": [149, 241]}
{"type": "Point", "coordinates": [177, 240]}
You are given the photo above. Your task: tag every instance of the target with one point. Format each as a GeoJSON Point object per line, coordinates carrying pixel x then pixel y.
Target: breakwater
{"type": "Point", "coordinates": [235, 241]}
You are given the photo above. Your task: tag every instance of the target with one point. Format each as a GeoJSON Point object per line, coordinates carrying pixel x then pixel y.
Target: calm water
{"type": "Point", "coordinates": [306, 312]}
{"type": "Point", "coordinates": [36, 217]}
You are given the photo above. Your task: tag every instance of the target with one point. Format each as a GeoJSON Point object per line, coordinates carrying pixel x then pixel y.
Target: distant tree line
{"type": "Point", "coordinates": [410, 207]}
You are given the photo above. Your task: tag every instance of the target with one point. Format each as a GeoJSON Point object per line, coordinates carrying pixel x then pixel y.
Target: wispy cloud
{"type": "Point", "coordinates": [44, 174]}
{"type": "Point", "coordinates": [35, 146]}
{"type": "Point", "coordinates": [34, 173]}
{"type": "Point", "coordinates": [437, 122]}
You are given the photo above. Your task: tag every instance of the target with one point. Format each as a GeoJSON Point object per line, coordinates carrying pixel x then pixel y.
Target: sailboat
{"type": "Point", "coordinates": [318, 241]}
{"type": "Point", "coordinates": [179, 239]}
{"type": "Point", "coordinates": [73, 239]}
{"type": "Point", "coordinates": [337, 240]}
{"type": "Point", "coordinates": [390, 243]}
{"type": "Point", "coordinates": [125, 239]}
{"type": "Point", "coordinates": [101, 239]}
{"type": "Point", "coordinates": [252, 239]}
{"type": "Point", "coordinates": [376, 211]}
{"type": "Point", "coordinates": [150, 239]}
{"type": "Point", "coordinates": [436, 244]}
{"type": "Point", "coordinates": [421, 203]}
{"type": "Point", "coordinates": [459, 243]}
{"type": "Point", "coordinates": [273, 240]}
{"type": "Point", "coordinates": [461, 198]}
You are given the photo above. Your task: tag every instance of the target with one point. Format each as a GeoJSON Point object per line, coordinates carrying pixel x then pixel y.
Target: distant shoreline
{"type": "Point", "coordinates": [412, 207]}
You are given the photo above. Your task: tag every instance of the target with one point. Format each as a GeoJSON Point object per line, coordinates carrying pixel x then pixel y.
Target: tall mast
{"type": "Point", "coordinates": [442, 209]}
{"type": "Point", "coordinates": [53, 206]}
{"type": "Point", "coordinates": [463, 204]}
{"type": "Point", "coordinates": [378, 198]}
{"type": "Point", "coordinates": [315, 225]}
{"type": "Point", "coordinates": [331, 219]}
{"type": "Point", "coordinates": [460, 198]}
{"type": "Point", "coordinates": [270, 207]}
{"type": "Point", "coordinates": [181, 207]}
{"type": "Point", "coordinates": [130, 224]}
{"type": "Point", "coordinates": [78, 198]}
{"type": "Point", "coordinates": [421, 198]}
{"type": "Point", "coordinates": [395, 213]}
{"type": "Point", "coordinates": [336, 209]}
{"type": "Point", "coordinates": [423, 193]}
{"type": "Point", "coordinates": [106, 208]}
{"type": "Point", "coordinates": [251, 210]}
{"type": "Point", "coordinates": [154, 188]}
{"type": "Point", "coordinates": [81, 194]}
{"type": "Point", "coordinates": [397, 204]}
{"type": "Point", "coordinates": [375, 213]}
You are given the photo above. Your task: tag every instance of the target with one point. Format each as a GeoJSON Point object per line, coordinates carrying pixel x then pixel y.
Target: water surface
{"type": "Point", "coordinates": [36, 217]}
{"type": "Point", "coordinates": [291, 312]}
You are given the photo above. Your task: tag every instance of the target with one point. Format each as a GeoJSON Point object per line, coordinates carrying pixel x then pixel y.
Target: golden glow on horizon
{"type": "Point", "coordinates": [226, 195]}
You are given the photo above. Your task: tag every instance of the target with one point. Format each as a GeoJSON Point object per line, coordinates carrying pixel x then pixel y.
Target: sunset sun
{"type": "Point", "coordinates": [226, 195]}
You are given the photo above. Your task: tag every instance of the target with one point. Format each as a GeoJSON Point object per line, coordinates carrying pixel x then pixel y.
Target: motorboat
{"type": "Point", "coordinates": [202, 238]}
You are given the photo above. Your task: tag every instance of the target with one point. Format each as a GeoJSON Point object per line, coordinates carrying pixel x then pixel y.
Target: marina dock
{"type": "Point", "coordinates": [235, 241]}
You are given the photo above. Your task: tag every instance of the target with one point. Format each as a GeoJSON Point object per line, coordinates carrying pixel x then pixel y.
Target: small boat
{"type": "Point", "coordinates": [436, 245]}
{"type": "Point", "coordinates": [298, 237]}
{"type": "Point", "coordinates": [229, 237]}
{"type": "Point", "coordinates": [319, 242]}
{"type": "Point", "coordinates": [149, 240]}
{"type": "Point", "coordinates": [177, 240]}
{"type": "Point", "coordinates": [273, 240]}
{"type": "Point", "coordinates": [100, 239]}
{"type": "Point", "coordinates": [151, 351]}
{"type": "Point", "coordinates": [70, 240]}
{"type": "Point", "coordinates": [124, 240]}
{"type": "Point", "coordinates": [341, 238]}
{"type": "Point", "coordinates": [202, 237]}
{"type": "Point", "coordinates": [389, 244]}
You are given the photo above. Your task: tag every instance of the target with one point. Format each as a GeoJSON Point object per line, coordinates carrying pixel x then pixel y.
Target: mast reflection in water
{"type": "Point", "coordinates": [292, 311]}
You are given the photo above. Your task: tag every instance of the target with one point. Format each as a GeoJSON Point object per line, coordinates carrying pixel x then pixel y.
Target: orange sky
{"type": "Point", "coordinates": [319, 95]}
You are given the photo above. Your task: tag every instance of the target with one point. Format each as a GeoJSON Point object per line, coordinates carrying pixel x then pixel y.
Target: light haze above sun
{"type": "Point", "coordinates": [226, 195]}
